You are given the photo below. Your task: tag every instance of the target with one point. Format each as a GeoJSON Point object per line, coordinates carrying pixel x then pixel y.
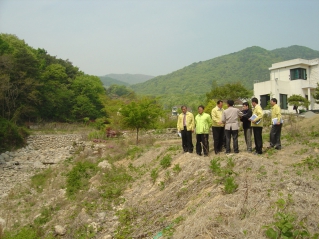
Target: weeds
{"type": "Point", "coordinates": [78, 177]}
{"type": "Point", "coordinates": [126, 217]}
{"type": "Point", "coordinates": [39, 180]}
{"type": "Point", "coordinates": [166, 161]}
{"type": "Point", "coordinates": [225, 174]}
{"type": "Point", "coordinates": [177, 169]}
{"type": "Point", "coordinates": [114, 183]}
{"type": "Point", "coordinates": [134, 152]}
{"type": "Point", "coordinates": [154, 174]}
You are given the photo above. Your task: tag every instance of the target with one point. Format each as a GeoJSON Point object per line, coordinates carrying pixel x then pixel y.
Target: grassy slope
{"type": "Point", "coordinates": [184, 200]}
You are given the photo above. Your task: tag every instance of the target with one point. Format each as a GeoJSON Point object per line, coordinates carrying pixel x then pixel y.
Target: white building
{"type": "Point", "coordinates": [294, 77]}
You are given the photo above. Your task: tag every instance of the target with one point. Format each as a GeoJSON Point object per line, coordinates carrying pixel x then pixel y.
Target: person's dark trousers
{"type": "Point", "coordinates": [187, 140]}
{"type": "Point", "coordinates": [275, 134]}
{"type": "Point", "coordinates": [202, 139]}
{"type": "Point", "coordinates": [234, 134]}
{"type": "Point", "coordinates": [248, 134]}
{"type": "Point", "coordinates": [258, 139]}
{"type": "Point", "coordinates": [218, 137]}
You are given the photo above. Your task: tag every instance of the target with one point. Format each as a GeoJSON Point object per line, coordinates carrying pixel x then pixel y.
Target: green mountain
{"type": "Point", "coordinates": [246, 66]}
{"type": "Point", "coordinates": [130, 78]}
{"type": "Point", "coordinates": [108, 81]}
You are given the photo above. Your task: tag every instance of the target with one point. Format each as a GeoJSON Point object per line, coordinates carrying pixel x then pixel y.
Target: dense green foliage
{"type": "Point", "coordinates": [36, 86]}
{"type": "Point", "coordinates": [11, 135]}
{"type": "Point", "coordinates": [246, 66]}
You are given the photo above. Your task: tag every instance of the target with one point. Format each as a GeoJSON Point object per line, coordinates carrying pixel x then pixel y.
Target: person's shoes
{"type": "Point", "coordinates": [199, 154]}
{"type": "Point", "coordinates": [237, 152]}
{"type": "Point", "coordinates": [190, 152]}
{"type": "Point", "coordinates": [278, 148]}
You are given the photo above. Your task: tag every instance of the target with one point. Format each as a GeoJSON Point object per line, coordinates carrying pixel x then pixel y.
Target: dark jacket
{"type": "Point", "coordinates": [247, 114]}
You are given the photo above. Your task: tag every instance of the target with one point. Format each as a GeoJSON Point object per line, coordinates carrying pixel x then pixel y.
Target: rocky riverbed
{"type": "Point", "coordinates": [41, 151]}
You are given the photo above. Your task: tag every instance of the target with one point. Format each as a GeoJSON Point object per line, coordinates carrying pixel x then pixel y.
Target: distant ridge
{"type": "Point", "coordinates": [130, 78]}
{"type": "Point", "coordinates": [108, 81]}
{"type": "Point", "coordinates": [246, 66]}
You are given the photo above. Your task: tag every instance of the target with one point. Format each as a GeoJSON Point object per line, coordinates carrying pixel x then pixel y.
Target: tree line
{"type": "Point", "coordinates": [36, 86]}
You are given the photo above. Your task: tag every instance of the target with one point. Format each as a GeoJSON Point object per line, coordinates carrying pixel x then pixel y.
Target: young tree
{"type": "Point", "coordinates": [298, 100]}
{"type": "Point", "coordinates": [141, 114]}
{"type": "Point", "coordinates": [316, 94]}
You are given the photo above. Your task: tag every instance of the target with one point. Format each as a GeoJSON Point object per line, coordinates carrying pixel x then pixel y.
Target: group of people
{"type": "Point", "coordinates": [225, 126]}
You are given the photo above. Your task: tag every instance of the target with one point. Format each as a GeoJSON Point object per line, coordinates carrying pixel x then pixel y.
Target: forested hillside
{"type": "Point", "coordinates": [246, 66]}
{"type": "Point", "coordinates": [35, 86]}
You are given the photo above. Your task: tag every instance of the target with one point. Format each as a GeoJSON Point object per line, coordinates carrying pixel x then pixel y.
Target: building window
{"type": "Point", "coordinates": [298, 74]}
{"type": "Point", "coordinates": [283, 102]}
{"type": "Point", "coordinates": [264, 100]}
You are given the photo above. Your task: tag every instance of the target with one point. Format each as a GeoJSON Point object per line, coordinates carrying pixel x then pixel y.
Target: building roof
{"type": "Point", "coordinates": [294, 62]}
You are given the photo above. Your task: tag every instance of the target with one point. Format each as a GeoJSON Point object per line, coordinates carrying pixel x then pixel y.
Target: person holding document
{"type": "Point", "coordinates": [276, 124]}
{"type": "Point", "coordinates": [257, 125]}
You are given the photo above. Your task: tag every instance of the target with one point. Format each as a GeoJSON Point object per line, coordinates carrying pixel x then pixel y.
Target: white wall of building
{"type": "Point", "coordinates": [280, 82]}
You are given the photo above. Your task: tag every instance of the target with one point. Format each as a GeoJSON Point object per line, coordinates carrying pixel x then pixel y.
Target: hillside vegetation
{"type": "Point", "coordinates": [156, 191]}
{"type": "Point", "coordinates": [246, 66]}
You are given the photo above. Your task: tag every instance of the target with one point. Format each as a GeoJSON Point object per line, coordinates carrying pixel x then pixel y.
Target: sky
{"type": "Point", "coordinates": [157, 37]}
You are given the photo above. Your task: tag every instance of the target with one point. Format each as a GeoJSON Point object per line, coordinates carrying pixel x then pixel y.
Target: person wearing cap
{"type": "Point", "coordinates": [218, 126]}
{"type": "Point", "coordinates": [257, 126]}
{"type": "Point", "coordinates": [203, 123]}
{"type": "Point", "coordinates": [185, 126]}
{"type": "Point", "coordinates": [276, 125]}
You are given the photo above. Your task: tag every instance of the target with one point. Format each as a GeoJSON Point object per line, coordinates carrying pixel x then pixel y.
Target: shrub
{"type": "Point", "coordinates": [11, 136]}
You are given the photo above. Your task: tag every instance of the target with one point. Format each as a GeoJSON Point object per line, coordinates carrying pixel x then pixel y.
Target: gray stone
{"type": "Point", "coordinates": [59, 230]}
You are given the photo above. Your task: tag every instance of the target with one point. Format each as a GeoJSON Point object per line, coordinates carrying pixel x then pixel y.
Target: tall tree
{"type": "Point", "coordinates": [141, 114]}
{"type": "Point", "coordinates": [232, 91]}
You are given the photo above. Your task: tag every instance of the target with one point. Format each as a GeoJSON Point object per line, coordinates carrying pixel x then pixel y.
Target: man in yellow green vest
{"type": "Point", "coordinates": [185, 126]}
{"type": "Point", "coordinates": [218, 126]}
{"type": "Point", "coordinates": [203, 123]}
{"type": "Point", "coordinates": [257, 125]}
{"type": "Point", "coordinates": [276, 124]}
